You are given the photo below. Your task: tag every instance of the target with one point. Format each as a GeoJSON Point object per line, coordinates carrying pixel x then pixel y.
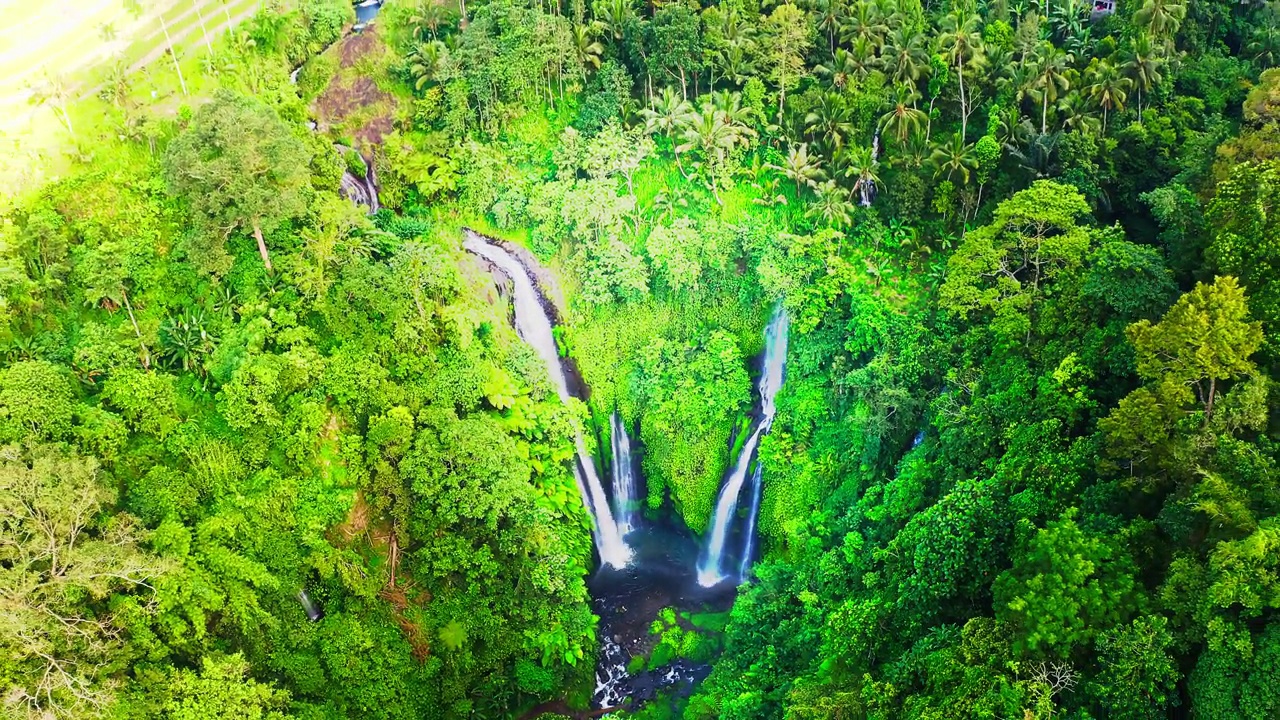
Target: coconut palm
{"type": "Point", "coordinates": [860, 164]}
{"type": "Point", "coordinates": [863, 21]}
{"type": "Point", "coordinates": [1264, 45]}
{"type": "Point", "coordinates": [427, 18]}
{"type": "Point", "coordinates": [830, 17]}
{"type": "Point", "coordinates": [829, 121]}
{"type": "Point", "coordinates": [117, 84]}
{"type": "Point", "coordinates": [613, 15]}
{"type": "Point", "coordinates": [1078, 113]}
{"type": "Point", "coordinates": [55, 92]}
{"type": "Point", "coordinates": [800, 167]}
{"type": "Point", "coordinates": [668, 116]}
{"type": "Point", "coordinates": [1051, 79]}
{"type": "Point", "coordinates": [954, 157]}
{"type": "Point", "coordinates": [586, 49]}
{"type": "Point", "coordinates": [425, 62]}
{"type": "Point", "coordinates": [1107, 88]}
{"type": "Point", "coordinates": [962, 46]}
{"type": "Point", "coordinates": [735, 64]}
{"type": "Point", "coordinates": [903, 117]}
{"type": "Point", "coordinates": [1018, 82]}
{"type": "Point", "coordinates": [831, 206]}
{"type": "Point", "coordinates": [1142, 65]}
{"type": "Point", "coordinates": [904, 56]}
{"type": "Point", "coordinates": [1161, 18]}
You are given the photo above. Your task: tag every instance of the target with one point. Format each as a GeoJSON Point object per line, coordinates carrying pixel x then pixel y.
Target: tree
{"type": "Point", "coordinates": [669, 116]}
{"type": "Point", "coordinates": [1064, 589]}
{"type": "Point", "coordinates": [54, 92]}
{"type": "Point", "coordinates": [66, 560]}
{"type": "Point", "coordinates": [239, 167]}
{"type": "Point", "coordinates": [832, 206]}
{"type": "Point", "coordinates": [1142, 64]}
{"type": "Point", "coordinates": [221, 690]}
{"type": "Point", "coordinates": [1205, 337]}
{"type": "Point", "coordinates": [1161, 18]}
{"type": "Point", "coordinates": [800, 167]}
{"type": "Point", "coordinates": [954, 157]}
{"type": "Point", "coordinates": [675, 44]}
{"type": "Point", "coordinates": [903, 118]}
{"type": "Point", "coordinates": [787, 36]}
{"type": "Point", "coordinates": [905, 56]}
{"type": "Point", "coordinates": [960, 41]}
{"type": "Point", "coordinates": [676, 251]}
{"type": "Point", "coordinates": [1107, 88]}
{"type": "Point", "coordinates": [1004, 267]}
{"type": "Point", "coordinates": [1051, 78]}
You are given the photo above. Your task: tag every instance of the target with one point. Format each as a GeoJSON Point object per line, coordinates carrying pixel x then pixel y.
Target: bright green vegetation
{"type": "Point", "coordinates": [1025, 460]}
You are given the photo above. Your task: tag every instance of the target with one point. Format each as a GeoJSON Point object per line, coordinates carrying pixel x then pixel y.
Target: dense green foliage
{"type": "Point", "coordinates": [1024, 463]}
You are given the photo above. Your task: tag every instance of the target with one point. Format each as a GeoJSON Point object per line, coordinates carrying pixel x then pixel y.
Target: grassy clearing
{"type": "Point", "coordinates": [34, 142]}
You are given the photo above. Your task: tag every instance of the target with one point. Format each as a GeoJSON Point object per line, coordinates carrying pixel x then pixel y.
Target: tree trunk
{"type": "Point", "coordinates": [462, 8]}
{"type": "Point", "coordinates": [146, 354]}
{"type": "Point", "coordinates": [169, 41]}
{"type": "Point", "coordinates": [262, 247]}
{"type": "Point", "coordinates": [203, 30]}
{"type": "Point", "coordinates": [1044, 112]}
{"type": "Point", "coordinates": [964, 115]}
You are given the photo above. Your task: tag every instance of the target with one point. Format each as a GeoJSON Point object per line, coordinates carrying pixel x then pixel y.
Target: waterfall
{"type": "Point", "coordinates": [749, 544]}
{"type": "Point", "coordinates": [534, 327]}
{"type": "Point", "coordinates": [626, 491]}
{"type": "Point", "coordinates": [711, 564]}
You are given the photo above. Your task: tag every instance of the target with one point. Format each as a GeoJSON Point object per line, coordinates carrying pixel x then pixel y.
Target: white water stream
{"type": "Point", "coordinates": [711, 569]}
{"type": "Point", "coordinates": [626, 488]}
{"type": "Point", "coordinates": [534, 327]}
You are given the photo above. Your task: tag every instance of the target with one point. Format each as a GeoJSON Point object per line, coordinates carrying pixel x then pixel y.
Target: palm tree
{"type": "Point", "coordinates": [1107, 88]}
{"type": "Point", "coordinates": [735, 64]}
{"type": "Point", "coordinates": [830, 16]}
{"type": "Point", "coordinates": [428, 17]}
{"type": "Point", "coordinates": [962, 45]}
{"type": "Point", "coordinates": [1078, 114]}
{"type": "Point", "coordinates": [829, 121]}
{"type": "Point", "coordinates": [107, 32]}
{"type": "Point", "coordinates": [586, 49]}
{"type": "Point", "coordinates": [425, 61]}
{"type": "Point", "coordinates": [1161, 17]}
{"type": "Point", "coordinates": [1018, 82]}
{"type": "Point", "coordinates": [903, 117]}
{"type": "Point", "coordinates": [831, 206]}
{"type": "Point", "coordinates": [954, 157]}
{"type": "Point", "coordinates": [1142, 66]}
{"type": "Point", "coordinates": [612, 15]}
{"type": "Point", "coordinates": [904, 56]}
{"type": "Point", "coordinates": [864, 22]}
{"type": "Point", "coordinates": [800, 167]}
{"type": "Point", "coordinates": [164, 25]}
{"type": "Point", "coordinates": [1264, 45]}
{"type": "Point", "coordinates": [860, 164]}
{"type": "Point", "coordinates": [53, 91]}
{"type": "Point", "coordinates": [668, 116]}
{"type": "Point", "coordinates": [737, 114]}
{"type": "Point", "coordinates": [117, 84]}
{"type": "Point", "coordinates": [1051, 79]}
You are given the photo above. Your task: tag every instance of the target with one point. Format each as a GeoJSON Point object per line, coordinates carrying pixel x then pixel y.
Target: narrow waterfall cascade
{"type": "Point", "coordinates": [711, 563]}
{"type": "Point", "coordinates": [749, 541]}
{"type": "Point", "coordinates": [626, 486]}
{"type": "Point", "coordinates": [534, 327]}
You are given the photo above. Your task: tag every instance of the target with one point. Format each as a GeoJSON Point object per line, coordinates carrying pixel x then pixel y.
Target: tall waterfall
{"type": "Point", "coordinates": [711, 563]}
{"type": "Point", "coordinates": [534, 327]}
{"type": "Point", "coordinates": [626, 489]}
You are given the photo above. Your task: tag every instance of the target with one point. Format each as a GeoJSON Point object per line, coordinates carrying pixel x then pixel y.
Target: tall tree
{"type": "Point", "coordinates": [241, 168]}
{"type": "Point", "coordinates": [787, 36]}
